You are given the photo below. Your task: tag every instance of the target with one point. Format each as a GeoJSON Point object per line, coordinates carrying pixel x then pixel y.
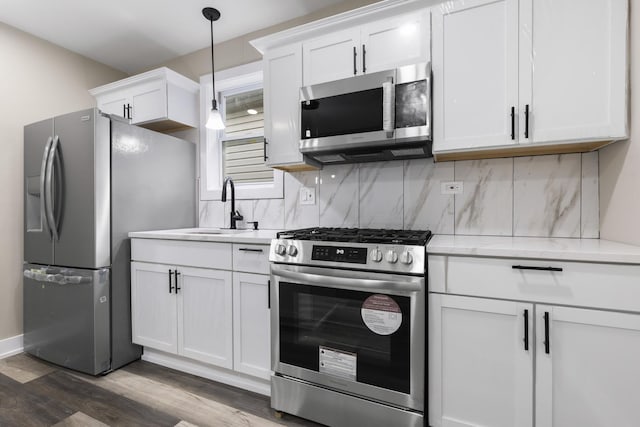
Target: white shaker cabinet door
{"type": "Point", "coordinates": [475, 74]}
{"type": "Point", "coordinates": [114, 103]}
{"type": "Point", "coordinates": [573, 57]}
{"type": "Point", "coordinates": [332, 57]}
{"type": "Point", "coordinates": [149, 101]}
{"type": "Point", "coordinates": [251, 335]}
{"type": "Point", "coordinates": [394, 42]}
{"type": "Point", "coordinates": [205, 314]}
{"type": "Point", "coordinates": [587, 369]}
{"type": "Point", "coordinates": [153, 307]}
{"type": "Point", "coordinates": [480, 366]}
{"type": "Point", "coordinates": [282, 82]}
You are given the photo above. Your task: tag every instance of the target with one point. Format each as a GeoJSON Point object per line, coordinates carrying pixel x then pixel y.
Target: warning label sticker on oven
{"type": "Point", "coordinates": [338, 363]}
{"type": "Point", "coordinates": [381, 314]}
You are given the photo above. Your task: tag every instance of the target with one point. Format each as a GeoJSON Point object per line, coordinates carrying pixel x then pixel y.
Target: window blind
{"type": "Point", "coordinates": [244, 161]}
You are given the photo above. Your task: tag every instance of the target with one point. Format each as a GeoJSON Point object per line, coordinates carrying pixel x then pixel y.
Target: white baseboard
{"type": "Point", "coordinates": [214, 373]}
{"type": "Point", "coordinates": [10, 346]}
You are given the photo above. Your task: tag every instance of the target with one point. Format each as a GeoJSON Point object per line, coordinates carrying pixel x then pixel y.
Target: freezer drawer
{"type": "Point", "coordinates": [67, 317]}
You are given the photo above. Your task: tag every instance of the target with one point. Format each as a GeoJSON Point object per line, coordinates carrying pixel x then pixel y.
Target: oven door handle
{"type": "Point", "coordinates": [400, 284]}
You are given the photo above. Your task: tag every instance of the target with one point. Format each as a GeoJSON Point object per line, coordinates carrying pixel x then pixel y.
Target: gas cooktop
{"type": "Point", "coordinates": [359, 235]}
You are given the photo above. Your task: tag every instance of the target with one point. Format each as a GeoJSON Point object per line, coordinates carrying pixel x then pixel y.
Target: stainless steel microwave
{"type": "Point", "coordinates": [373, 117]}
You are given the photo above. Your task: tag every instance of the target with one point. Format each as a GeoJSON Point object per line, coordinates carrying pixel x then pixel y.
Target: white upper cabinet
{"type": "Point", "coordinates": [376, 46]}
{"type": "Point", "coordinates": [332, 57]}
{"type": "Point", "coordinates": [574, 60]}
{"type": "Point", "coordinates": [475, 74]}
{"type": "Point", "coordinates": [396, 41]}
{"type": "Point", "coordinates": [282, 81]}
{"type": "Point", "coordinates": [560, 69]}
{"type": "Point", "coordinates": [160, 99]}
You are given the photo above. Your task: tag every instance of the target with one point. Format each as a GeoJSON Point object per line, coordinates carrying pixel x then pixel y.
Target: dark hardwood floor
{"type": "Point", "coordinates": [36, 393]}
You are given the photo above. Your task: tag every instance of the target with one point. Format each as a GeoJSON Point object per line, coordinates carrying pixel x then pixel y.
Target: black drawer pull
{"type": "Point", "coordinates": [177, 287]}
{"type": "Point", "coordinates": [250, 250]}
{"type": "Point", "coordinates": [526, 330]}
{"type": "Point", "coordinates": [269, 294]}
{"type": "Point", "coordinates": [546, 332]}
{"type": "Point", "coordinates": [530, 267]}
{"type": "Point", "coordinates": [513, 123]}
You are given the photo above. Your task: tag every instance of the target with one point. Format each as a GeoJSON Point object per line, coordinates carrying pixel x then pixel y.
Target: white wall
{"type": "Point", "coordinates": [37, 80]}
{"type": "Point", "coordinates": [620, 162]}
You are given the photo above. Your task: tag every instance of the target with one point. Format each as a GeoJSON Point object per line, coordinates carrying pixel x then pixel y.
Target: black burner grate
{"type": "Point", "coordinates": [359, 235]}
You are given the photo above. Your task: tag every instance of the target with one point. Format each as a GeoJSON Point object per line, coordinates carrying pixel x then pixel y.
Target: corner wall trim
{"type": "Point", "coordinates": [10, 346]}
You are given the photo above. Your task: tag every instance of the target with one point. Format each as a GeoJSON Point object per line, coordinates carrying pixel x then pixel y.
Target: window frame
{"type": "Point", "coordinates": [233, 80]}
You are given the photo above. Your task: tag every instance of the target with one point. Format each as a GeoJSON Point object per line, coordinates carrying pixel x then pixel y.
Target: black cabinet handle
{"type": "Point", "coordinates": [355, 71]}
{"type": "Point", "coordinates": [177, 287]}
{"type": "Point", "coordinates": [264, 150]}
{"type": "Point", "coordinates": [513, 123]}
{"type": "Point", "coordinates": [269, 294]}
{"type": "Point", "coordinates": [531, 267]}
{"type": "Point", "coordinates": [250, 250]}
{"type": "Point", "coordinates": [546, 332]}
{"type": "Point", "coordinates": [170, 284]}
{"type": "Point", "coordinates": [124, 110]}
{"type": "Point", "coordinates": [526, 330]}
{"type": "Point", "coordinates": [364, 60]}
{"type": "Point", "coordinates": [526, 121]}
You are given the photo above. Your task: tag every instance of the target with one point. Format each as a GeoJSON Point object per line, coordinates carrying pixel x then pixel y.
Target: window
{"type": "Point", "coordinates": [238, 150]}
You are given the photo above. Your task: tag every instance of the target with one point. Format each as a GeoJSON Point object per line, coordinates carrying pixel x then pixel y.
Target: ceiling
{"type": "Point", "coordinates": [138, 34]}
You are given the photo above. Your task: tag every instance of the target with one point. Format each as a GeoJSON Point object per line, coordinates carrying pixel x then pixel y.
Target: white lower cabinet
{"type": "Point", "coordinates": [589, 374]}
{"type": "Point", "coordinates": [481, 370]}
{"type": "Point", "coordinates": [480, 373]}
{"type": "Point", "coordinates": [188, 314]}
{"type": "Point", "coordinates": [251, 338]}
{"type": "Point", "coordinates": [203, 306]}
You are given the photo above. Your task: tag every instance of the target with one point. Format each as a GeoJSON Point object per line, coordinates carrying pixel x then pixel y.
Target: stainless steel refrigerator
{"type": "Point", "coordinates": [88, 180]}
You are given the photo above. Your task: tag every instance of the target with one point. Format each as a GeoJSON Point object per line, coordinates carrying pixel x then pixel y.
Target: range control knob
{"type": "Point", "coordinates": [392, 256]}
{"type": "Point", "coordinates": [406, 257]}
{"type": "Point", "coordinates": [376, 255]}
{"type": "Point", "coordinates": [281, 250]}
{"type": "Point", "coordinates": [292, 251]}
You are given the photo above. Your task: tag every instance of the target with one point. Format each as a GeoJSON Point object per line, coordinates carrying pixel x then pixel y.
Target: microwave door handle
{"type": "Point", "coordinates": [429, 105]}
{"type": "Point", "coordinates": [388, 106]}
{"type": "Point", "coordinates": [328, 281]}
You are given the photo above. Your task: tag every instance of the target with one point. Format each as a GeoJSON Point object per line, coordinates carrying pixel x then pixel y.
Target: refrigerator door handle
{"type": "Point", "coordinates": [51, 220]}
{"type": "Point", "coordinates": [43, 173]}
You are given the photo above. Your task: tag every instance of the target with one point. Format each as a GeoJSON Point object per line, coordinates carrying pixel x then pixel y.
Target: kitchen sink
{"type": "Point", "coordinates": [216, 231]}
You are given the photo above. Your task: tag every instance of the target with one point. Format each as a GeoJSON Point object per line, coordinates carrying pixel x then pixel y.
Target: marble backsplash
{"type": "Point", "coordinates": [544, 196]}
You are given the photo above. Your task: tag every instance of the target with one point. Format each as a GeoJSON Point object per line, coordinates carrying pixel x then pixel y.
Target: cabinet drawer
{"type": "Point", "coordinates": [608, 286]}
{"type": "Point", "coordinates": [251, 258]}
{"type": "Point", "coordinates": [180, 252]}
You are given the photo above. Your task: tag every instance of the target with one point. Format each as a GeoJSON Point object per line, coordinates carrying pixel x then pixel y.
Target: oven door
{"type": "Point", "coordinates": [358, 332]}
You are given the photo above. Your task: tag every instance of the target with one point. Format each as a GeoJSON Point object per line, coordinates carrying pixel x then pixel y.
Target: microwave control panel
{"type": "Point", "coordinates": [339, 254]}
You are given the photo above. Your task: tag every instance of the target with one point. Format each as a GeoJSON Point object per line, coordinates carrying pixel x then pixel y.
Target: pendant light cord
{"type": "Point", "coordinates": [213, 80]}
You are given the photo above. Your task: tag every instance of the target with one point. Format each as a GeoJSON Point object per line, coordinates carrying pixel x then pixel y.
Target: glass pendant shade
{"type": "Point", "coordinates": [214, 121]}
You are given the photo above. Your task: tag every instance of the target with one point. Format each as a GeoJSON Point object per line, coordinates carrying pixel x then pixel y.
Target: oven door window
{"type": "Point", "coordinates": [313, 316]}
{"type": "Point", "coordinates": [345, 114]}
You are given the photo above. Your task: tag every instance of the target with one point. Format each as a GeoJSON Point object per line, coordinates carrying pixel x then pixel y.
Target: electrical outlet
{"type": "Point", "coordinates": [307, 196]}
{"type": "Point", "coordinates": [451, 187]}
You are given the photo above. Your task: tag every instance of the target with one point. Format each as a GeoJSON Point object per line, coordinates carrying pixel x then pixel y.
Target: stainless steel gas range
{"type": "Point", "coordinates": [348, 326]}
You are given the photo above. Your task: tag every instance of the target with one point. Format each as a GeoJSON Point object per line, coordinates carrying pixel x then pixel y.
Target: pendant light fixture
{"type": "Point", "coordinates": [214, 119]}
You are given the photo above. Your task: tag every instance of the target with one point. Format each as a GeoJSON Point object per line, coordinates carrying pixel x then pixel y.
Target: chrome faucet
{"type": "Point", "coordinates": [235, 215]}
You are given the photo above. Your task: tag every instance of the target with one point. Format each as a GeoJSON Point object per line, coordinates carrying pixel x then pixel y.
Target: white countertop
{"type": "Point", "coordinates": [260, 237]}
{"type": "Point", "coordinates": [589, 250]}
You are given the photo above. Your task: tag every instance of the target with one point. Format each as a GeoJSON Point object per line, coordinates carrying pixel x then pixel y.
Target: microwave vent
{"type": "Point", "coordinates": [408, 152]}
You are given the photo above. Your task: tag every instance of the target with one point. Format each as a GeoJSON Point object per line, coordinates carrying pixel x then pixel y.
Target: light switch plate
{"type": "Point", "coordinates": [307, 196]}
{"type": "Point", "coordinates": [451, 187]}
